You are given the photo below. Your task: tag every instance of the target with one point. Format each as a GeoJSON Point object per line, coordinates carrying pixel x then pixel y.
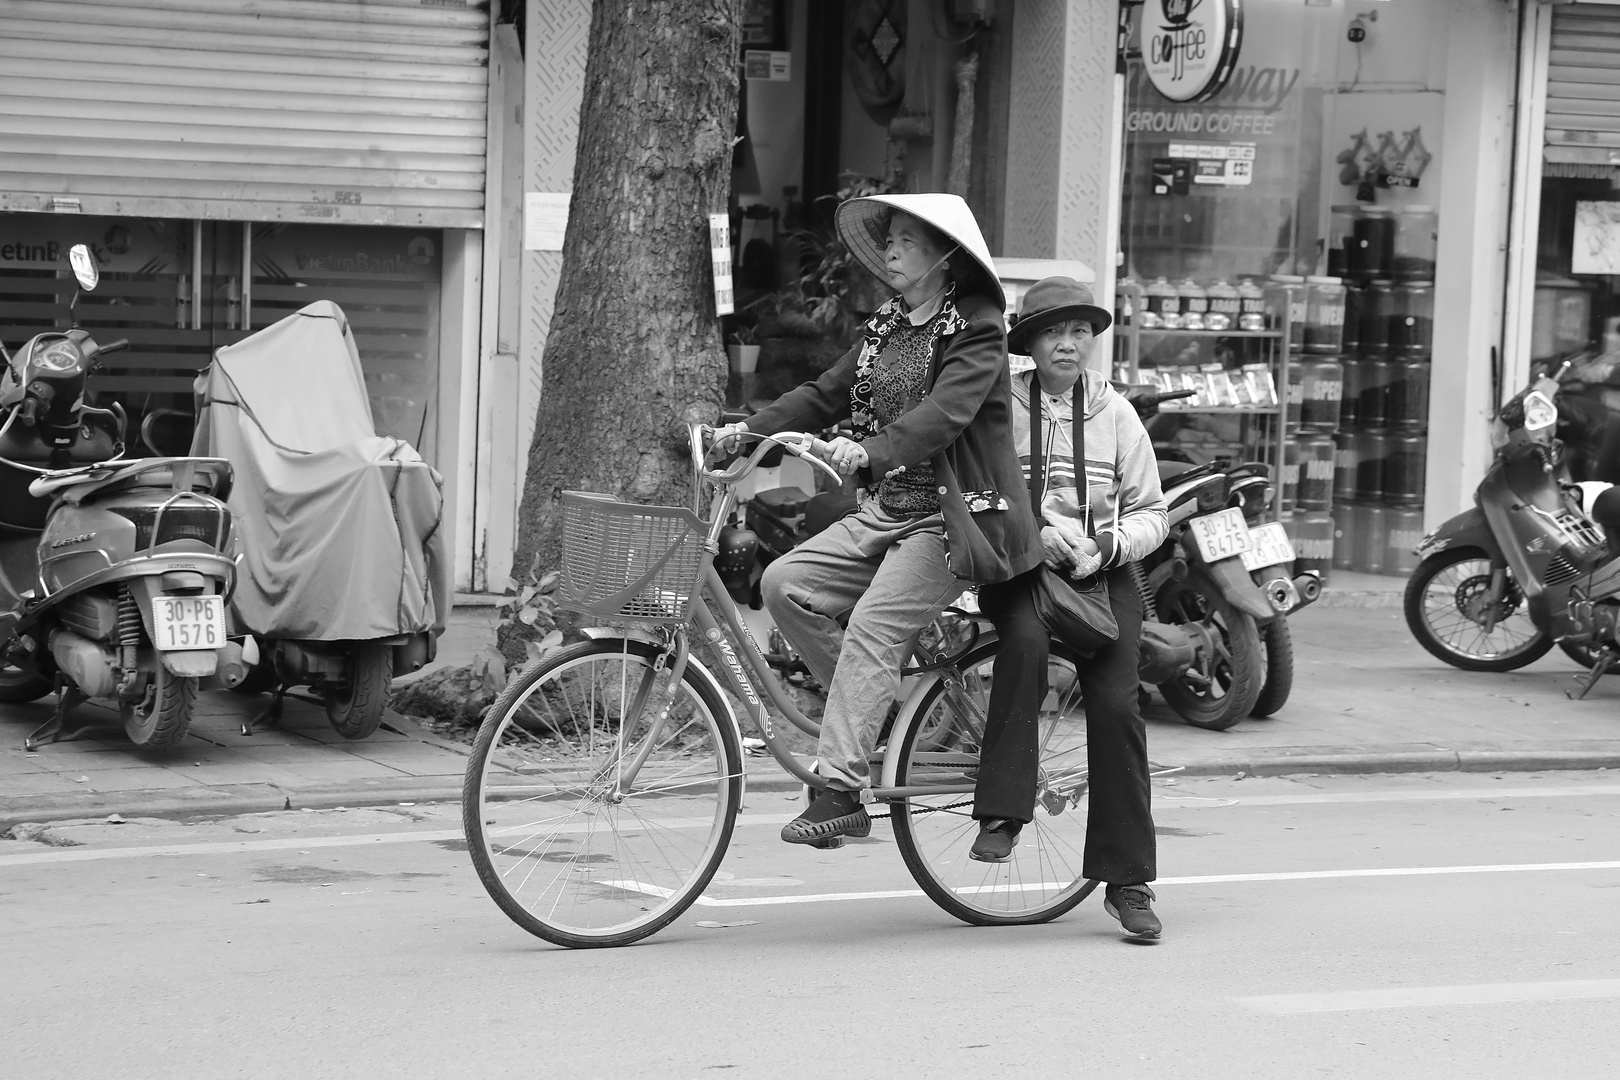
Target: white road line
{"type": "Point", "coordinates": [1165, 800]}
{"type": "Point", "coordinates": [1418, 996]}
{"type": "Point", "coordinates": [1210, 879]}
{"type": "Point", "coordinates": [238, 847]}
{"type": "Point", "coordinates": [1182, 797]}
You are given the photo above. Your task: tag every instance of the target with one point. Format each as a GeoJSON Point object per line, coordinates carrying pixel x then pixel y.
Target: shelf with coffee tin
{"type": "Point", "coordinates": [1238, 368]}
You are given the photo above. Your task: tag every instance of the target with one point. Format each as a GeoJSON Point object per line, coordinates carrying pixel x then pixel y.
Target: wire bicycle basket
{"type": "Point", "coordinates": [630, 563]}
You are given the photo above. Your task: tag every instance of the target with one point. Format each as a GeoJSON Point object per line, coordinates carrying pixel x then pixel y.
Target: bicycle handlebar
{"type": "Point", "coordinates": [797, 443]}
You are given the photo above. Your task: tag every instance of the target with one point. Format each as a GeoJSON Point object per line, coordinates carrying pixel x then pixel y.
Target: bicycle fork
{"type": "Point", "coordinates": [627, 772]}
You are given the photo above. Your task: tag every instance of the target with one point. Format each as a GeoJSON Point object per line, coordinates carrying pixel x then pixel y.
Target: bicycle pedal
{"type": "Point", "coordinates": [827, 844]}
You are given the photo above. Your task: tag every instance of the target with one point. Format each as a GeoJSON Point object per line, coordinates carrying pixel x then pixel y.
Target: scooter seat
{"type": "Point", "coordinates": [1181, 472]}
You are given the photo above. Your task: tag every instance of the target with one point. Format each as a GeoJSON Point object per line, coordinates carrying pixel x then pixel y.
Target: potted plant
{"type": "Point", "coordinates": [742, 346]}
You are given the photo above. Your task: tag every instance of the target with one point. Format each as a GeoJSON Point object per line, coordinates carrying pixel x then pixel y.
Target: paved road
{"type": "Point", "coordinates": [1352, 926]}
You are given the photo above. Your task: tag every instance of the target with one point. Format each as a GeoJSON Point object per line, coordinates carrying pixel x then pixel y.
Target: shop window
{"type": "Point", "coordinates": [387, 282]}
{"type": "Point", "coordinates": [174, 288]}
{"type": "Point", "coordinates": [150, 292]}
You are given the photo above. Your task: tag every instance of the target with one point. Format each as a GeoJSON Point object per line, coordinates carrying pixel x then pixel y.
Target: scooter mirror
{"type": "Point", "coordinates": [84, 267]}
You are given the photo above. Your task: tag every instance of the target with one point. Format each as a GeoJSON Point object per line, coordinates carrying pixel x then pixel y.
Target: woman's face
{"type": "Point", "coordinates": [1060, 351]}
{"type": "Point", "coordinates": [912, 253]}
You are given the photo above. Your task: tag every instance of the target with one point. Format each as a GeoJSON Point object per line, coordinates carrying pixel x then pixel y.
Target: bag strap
{"type": "Point", "coordinates": [1037, 452]}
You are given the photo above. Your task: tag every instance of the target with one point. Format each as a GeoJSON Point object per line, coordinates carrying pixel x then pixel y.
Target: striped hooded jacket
{"type": "Point", "coordinates": [1127, 504]}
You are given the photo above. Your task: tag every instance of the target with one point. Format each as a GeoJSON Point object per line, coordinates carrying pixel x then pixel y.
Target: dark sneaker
{"type": "Point", "coordinates": [997, 838]}
{"type": "Point", "coordinates": [832, 813]}
{"type": "Point", "coordinates": [1132, 905]}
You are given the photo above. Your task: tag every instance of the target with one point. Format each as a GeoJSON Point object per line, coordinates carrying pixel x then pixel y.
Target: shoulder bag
{"type": "Point", "coordinates": [1078, 613]}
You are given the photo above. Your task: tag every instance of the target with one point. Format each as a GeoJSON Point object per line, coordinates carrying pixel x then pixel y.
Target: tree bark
{"type": "Point", "coordinates": [634, 349]}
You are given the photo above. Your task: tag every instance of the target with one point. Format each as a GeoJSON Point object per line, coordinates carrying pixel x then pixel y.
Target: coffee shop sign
{"type": "Point", "coordinates": [1191, 48]}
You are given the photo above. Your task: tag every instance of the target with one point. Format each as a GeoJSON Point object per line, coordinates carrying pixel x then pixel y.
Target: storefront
{"type": "Point", "coordinates": [1565, 284]}
{"type": "Point", "coordinates": [229, 166]}
{"type": "Point", "coordinates": [1310, 191]}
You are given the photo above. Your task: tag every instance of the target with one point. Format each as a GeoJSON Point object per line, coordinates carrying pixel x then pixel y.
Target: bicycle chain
{"type": "Point", "coordinates": [922, 810]}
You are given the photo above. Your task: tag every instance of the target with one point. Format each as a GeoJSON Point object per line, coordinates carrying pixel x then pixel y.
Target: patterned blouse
{"type": "Point", "coordinates": [899, 382]}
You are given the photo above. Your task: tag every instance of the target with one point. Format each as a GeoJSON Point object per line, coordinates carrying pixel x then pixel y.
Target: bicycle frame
{"type": "Point", "coordinates": [740, 654]}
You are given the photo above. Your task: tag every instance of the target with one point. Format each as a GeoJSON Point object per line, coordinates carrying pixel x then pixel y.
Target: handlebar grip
{"type": "Point", "coordinates": [27, 411]}
{"type": "Point", "coordinates": [115, 345]}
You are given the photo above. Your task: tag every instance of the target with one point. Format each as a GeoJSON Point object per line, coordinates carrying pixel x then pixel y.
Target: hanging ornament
{"type": "Point", "coordinates": [877, 52]}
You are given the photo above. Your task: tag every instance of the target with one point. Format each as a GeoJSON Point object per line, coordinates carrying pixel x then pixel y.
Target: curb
{"type": "Point", "coordinates": [229, 800]}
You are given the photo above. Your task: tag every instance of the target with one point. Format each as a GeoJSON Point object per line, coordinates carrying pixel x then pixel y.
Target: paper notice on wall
{"type": "Point", "coordinates": [720, 251]}
{"type": "Point", "coordinates": [545, 220]}
{"type": "Point", "coordinates": [762, 65]}
{"type": "Point", "coordinates": [1597, 238]}
{"type": "Point", "coordinates": [1223, 164]}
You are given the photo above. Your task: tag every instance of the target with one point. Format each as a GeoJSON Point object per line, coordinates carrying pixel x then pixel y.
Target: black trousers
{"type": "Point", "coordinates": [1120, 845]}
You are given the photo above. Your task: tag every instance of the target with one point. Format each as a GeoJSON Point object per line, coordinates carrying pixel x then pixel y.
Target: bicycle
{"type": "Point", "coordinates": [605, 780]}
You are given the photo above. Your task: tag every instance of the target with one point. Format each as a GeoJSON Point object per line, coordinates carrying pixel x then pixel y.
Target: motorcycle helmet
{"type": "Point", "coordinates": [734, 562]}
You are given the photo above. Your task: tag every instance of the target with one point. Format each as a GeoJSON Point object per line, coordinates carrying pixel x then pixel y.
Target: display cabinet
{"type": "Point", "coordinates": [1242, 377]}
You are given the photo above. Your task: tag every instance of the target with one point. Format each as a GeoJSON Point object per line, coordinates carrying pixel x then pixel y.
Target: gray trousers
{"type": "Point", "coordinates": [888, 574]}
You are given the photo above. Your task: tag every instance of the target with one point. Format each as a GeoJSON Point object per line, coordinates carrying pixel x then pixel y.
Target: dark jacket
{"type": "Point", "coordinates": [963, 427]}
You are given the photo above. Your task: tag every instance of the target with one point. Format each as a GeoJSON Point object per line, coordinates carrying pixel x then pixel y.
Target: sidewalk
{"type": "Point", "coordinates": [1366, 699]}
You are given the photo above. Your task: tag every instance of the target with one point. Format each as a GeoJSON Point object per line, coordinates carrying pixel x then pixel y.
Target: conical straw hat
{"type": "Point", "coordinates": [862, 225]}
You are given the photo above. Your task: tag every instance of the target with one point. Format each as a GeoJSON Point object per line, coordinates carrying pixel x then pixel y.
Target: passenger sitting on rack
{"type": "Point", "coordinates": [1087, 430]}
{"type": "Point", "coordinates": [927, 391]}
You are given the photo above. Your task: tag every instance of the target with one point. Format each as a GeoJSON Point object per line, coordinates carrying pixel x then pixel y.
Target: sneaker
{"type": "Point", "coordinates": [832, 813]}
{"type": "Point", "coordinates": [997, 838]}
{"type": "Point", "coordinates": [1132, 906]}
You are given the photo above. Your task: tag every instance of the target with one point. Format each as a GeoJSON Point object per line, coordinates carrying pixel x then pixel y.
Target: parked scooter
{"type": "Point", "coordinates": [345, 571]}
{"type": "Point", "coordinates": [1217, 592]}
{"type": "Point", "coordinates": [1527, 565]}
{"type": "Point", "coordinates": [113, 573]}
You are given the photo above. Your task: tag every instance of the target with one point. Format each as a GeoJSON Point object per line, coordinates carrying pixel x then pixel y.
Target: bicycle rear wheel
{"type": "Point", "coordinates": [565, 853]}
{"type": "Point", "coordinates": [940, 743]}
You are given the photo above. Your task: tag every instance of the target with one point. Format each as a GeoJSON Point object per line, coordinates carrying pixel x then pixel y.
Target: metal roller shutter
{"type": "Point", "coordinates": [338, 111]}
{"type": "Point", "coordinates": [1583, 91]}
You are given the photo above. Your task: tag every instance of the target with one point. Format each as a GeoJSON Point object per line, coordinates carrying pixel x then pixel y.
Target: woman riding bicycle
{"type": "Point", "coordinates": [927, 391]}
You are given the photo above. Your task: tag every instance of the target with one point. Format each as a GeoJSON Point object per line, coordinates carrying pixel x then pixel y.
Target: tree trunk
{"type": "Point", "coordinates": [634, 349]}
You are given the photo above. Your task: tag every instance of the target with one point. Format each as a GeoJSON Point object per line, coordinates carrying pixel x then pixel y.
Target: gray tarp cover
{"type": "Point", "coordinates": [340, 527]}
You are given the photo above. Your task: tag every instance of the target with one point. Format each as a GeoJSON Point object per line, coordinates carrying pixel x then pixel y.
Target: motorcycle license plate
{"type": "Point", "coordinates": [188, 622]}
{"type": "Point", "coordinates": [1268, 546]}
{"type": "Point", "coordinates": [1221, 535]}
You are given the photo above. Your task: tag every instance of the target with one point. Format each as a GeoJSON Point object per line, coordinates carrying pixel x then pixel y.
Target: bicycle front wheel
{"type": "Point", "coordinates": [569, 849]}
{"type": "Point", "coordinates": [940, 744]}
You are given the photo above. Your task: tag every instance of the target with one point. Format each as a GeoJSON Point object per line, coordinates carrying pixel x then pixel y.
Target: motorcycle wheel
{"type": "Point", "coordinates": [18, 686]}
{"type": "Point", "coordinates": [1278, 652]}
{"type": "Point", "coordinates": [356, 708]}
{"type": "Point", "coordinates": [1231, 645]}
{"type": "Point", "coordinates": [160, 720]}
{"type": "Point", "coordinates": [1444, 607]}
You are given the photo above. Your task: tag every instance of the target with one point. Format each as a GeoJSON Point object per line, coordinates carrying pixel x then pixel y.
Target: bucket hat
{"type": "Point", "coordinates": [863, 223]}
{"type": "Point", "coordinates": [1053, 300]}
